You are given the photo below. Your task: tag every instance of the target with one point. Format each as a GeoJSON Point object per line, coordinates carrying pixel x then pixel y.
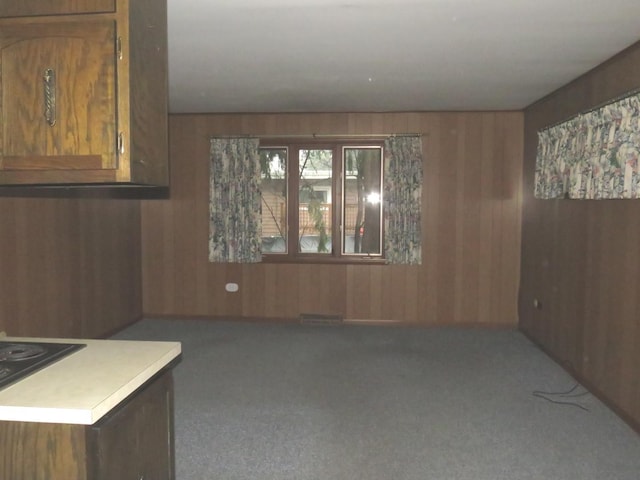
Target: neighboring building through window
{"type": "Point", "coordinates": [321, 200]}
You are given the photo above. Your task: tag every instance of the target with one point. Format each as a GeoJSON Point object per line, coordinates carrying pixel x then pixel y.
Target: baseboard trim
{"type": "Point", "coordinates": [345, 321]}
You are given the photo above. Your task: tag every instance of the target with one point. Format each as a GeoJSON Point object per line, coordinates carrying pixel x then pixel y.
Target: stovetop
{"type": "Point", "coordinates": [19, 359]}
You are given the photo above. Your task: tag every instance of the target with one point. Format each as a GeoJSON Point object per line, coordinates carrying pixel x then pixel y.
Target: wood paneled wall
{"type": "Point", "coordinates": [581, 259]}
{"type": "Point", "coordinates": [471, 228]}
{"type": "Point", "coordinates": [69, 267]}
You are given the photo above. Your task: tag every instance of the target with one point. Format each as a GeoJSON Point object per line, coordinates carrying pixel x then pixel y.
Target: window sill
{"type": "Point", "coordinates": [329, 260]}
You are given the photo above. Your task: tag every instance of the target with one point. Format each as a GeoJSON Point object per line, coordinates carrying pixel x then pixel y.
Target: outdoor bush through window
{"type": "Point", "coordinates": [321, 200]}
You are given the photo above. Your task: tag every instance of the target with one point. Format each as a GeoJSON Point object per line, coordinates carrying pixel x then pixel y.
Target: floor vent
{"type": "Point", "coordinates": [320, 319]}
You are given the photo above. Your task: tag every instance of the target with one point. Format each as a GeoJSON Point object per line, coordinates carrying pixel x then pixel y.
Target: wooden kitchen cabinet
{"type": "Point", "coordinates": [83, 90]}
{"type": "Point", "coordinates": [134, 441]}
{"type": "Point", "coordinates": [24, 8]}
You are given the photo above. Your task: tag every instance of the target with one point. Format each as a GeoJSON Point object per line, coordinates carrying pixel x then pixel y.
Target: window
{"type": "Point", "coordinates": [321, 201]}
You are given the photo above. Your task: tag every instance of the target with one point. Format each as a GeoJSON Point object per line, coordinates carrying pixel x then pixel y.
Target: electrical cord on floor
{"type": "Point", "coordinates": [571, 393]}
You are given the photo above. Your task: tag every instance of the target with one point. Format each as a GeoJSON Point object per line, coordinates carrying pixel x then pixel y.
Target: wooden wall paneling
{"type": "Point", "coordinates": [592, 287]}
{"type": "Point", "coordinates": [230, 303]}
{"type": "Point", "coordinates": [621, 273]}
{"type": "Point", "coordinates": [581, 257]}
{"type": "Point", "coordinates": [621, 348]}
{"type": "Point", "coordinates": [254, 291]}
{"type": "Point", "coordinates": [399, 298]}
{"type": "Point", "coordinates": [608, 339]}
{"type": "Point", "coordinates": [59, 284]}
{"type": "Point", "coordinates": [629, 332]}
{"type": "Point", "coordinates": [359, 298]}
{"type": "Point", "coordinates": [496, 244]}
{"type": "Point", "coordinates": [508, 214]}
{"type": "Point", "coordinates": [284, 304]}
{"type": "Point", "coordinates": [184, 218]}
{"type": "Point", "coordinates": [424, 294]}
{"type": "Point", "coordinates": [376, 274]}
{"type": "Point", "coordinates": [12, 253]}
{"type": "Point", "coordinates": [113, 237]}
{"type": "Point", "coordinates": [72, 266]}
{"type": "Point", "coordinates": [84, 278]}
{"type": "Point", "coordinates": [445, 247]}
{"type": "Point", "coordinates": [467, 277]}
{"type": "Point", "coordinates": [196, 147]}
{"type": "Point", "coordinates": [567, 250]}
{"type": "Point", "coordinates": [157, 235]}
{"type": "Point", "coordinates": [8, 263]}
{"type": "Point", "coordinates": [282, 291]}
{"type": "Point", "coordinates": [457, 214]}
{"type": "Point", "coordinates": [322, 288]}
{"type": "Point", "coordinates": [217, 303]}
{"type": "Point", "coordinates": [392, 295]}
{"type": "Point", "coordinates": [98, 278]}
{"type": "Point", "coordinates": [487, 205]}
{"type": "Point", "coordinates": [412, 293]}
{"type": "Point", "coordinates": [429, 282]}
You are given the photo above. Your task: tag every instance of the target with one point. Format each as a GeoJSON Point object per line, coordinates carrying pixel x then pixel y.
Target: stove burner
{"type": "Point", "coordinates": [15, 352]}
{"type": "Point", "coordinates": [19, 359]}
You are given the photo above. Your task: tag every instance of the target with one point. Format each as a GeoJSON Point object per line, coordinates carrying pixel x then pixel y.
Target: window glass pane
{"type": "Point", "coordinates": [362, 190]}
{"type": "Point", "coordinates": [314, 201]}
{"type": "Point", "coordinates": [273, 166]}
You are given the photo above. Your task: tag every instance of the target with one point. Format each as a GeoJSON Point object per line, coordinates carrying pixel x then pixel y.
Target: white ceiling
{"type": "Point", "coordinates": [386, 55]}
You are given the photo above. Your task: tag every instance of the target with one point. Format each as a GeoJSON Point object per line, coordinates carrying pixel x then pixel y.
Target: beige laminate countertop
{"type": "Point", "coordinates": [83, 386]}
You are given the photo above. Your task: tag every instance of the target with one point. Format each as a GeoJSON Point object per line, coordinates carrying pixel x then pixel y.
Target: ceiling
{"type": "Point", "coordinates": [386, 55]}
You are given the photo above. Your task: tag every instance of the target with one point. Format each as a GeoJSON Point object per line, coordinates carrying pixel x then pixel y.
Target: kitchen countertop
{"type": "Point", "coordinates": [85, 385]}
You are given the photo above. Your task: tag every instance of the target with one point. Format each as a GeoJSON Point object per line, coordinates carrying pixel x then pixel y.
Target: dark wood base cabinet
{"type": "Point", "coordinates": [132, 442]}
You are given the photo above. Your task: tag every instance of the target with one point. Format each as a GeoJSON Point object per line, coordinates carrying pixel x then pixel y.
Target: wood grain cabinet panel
{"type": "Point", "coordinates": [136, 441]}
{"type": "Point", "coordinates": [83, 97]}
{"type": "Point", "coordinates": [23, 8]}
{"type": "Point", "coordinates": [73, 127]}
{"type": "Point", "coordinates": [133, 442]}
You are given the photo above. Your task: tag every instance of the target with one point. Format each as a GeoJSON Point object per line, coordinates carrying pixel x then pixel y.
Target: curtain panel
{"type": "Point", "coordinates": [234, 201]}
{"type": "Point", "coordinates": [592, 156]}
{"type": "Point", "coordinates": [403, 200]}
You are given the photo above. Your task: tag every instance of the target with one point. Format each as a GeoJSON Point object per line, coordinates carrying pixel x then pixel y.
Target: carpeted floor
{"type": "Point", "coordinates": [297, 402]}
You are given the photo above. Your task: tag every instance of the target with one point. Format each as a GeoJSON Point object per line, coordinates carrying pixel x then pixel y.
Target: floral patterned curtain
{"type": "Point", "coordinates": [403, 200]}
{"type": "Point", "coordinates": [234, 201]}
{"type": "Point", "coordinates": [592, 156]}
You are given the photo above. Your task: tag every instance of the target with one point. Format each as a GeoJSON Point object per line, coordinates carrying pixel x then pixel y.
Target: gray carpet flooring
{"type": "Point", "coordinates": [298, 402]}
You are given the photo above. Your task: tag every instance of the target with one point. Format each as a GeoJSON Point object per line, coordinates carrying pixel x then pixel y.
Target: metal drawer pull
{"type": "Point", "coordinates": [49, 79]}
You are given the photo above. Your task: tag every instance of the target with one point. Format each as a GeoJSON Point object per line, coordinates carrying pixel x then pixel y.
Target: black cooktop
{"type": "Point", "coordinates": [19, 359]}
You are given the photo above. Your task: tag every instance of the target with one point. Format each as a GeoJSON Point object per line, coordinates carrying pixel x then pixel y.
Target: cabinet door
{"type": "Point", "coordinates": [136, 440]}
{"type": "Point", "coordinates": [42, 451]}
{"type": "Point", "coordinates": [58, 98]}
{"type": "Point", "coordinates": [24, 8]}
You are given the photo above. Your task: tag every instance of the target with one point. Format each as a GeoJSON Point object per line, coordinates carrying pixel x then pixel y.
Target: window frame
{"type": "Point", "coordinates": [337, 146]}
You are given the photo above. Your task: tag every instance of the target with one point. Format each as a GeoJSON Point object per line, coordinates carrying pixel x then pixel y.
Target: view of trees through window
{"type": "Point", "coordinates": [322, 200]}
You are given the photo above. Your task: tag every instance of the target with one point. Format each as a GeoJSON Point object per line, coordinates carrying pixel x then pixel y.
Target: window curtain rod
{"type": "Point", "coordinates": [628, 94]}
{"type": "Point", "coordinates": [323, 135]}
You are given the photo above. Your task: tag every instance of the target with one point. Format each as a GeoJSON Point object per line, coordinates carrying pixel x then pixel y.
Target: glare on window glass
{"type": "Point", "coordinates": [362, 190]}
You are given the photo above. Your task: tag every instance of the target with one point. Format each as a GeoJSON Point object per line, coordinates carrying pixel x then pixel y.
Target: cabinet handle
{"type": "Point", "coordinates": [49, 80]}
{"type": "Point", "coordinates": [121, 143]}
